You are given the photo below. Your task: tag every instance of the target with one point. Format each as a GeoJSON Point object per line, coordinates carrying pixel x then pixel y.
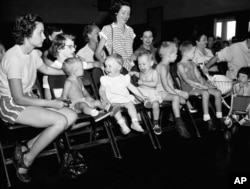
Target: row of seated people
{"type": "Point", "coordinates": [153, 87]}
{"type": "Point", "coordinates": [178, 97]}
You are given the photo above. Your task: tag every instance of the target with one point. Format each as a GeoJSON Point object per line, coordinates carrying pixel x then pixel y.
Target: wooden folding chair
{"type": "Point", "coordinates": [85, 125]}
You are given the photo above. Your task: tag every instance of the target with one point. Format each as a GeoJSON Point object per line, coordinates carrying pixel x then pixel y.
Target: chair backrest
{"type": "Point", "coordinates": [56, 83]}
{"type": "Point", "coordinates": [240, 103]}
{"type": "Point", "coordinates": [174, 75]}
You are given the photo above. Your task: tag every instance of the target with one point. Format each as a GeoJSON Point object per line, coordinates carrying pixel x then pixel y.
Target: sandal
{"type": "Point", "coordinates": [18, 150]}
{"type": "Point", "coordinates": [19, 163]}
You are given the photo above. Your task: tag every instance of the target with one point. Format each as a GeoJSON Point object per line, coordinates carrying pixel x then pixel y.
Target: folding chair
{"type": "Point", "coordinates": [11, 134]}
{"type": "Point", "coordinates": [238, 110]}
{"type": "Point", "coordinates": [85, 125]}
{"type": "Point", "coordinates": [145, 120]}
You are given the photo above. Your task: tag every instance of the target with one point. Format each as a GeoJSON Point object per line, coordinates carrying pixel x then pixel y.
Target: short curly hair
{"type": "Point", "coordinates": [87, 30]}
{"type": "Point", "coordinates": [115, 8]}
{"type": "Point", "coordinates": [59, 43]}
{"type": "Point", "coordinates": [24, 27]}
{"type": "Point", "coordinates": [117, 57]}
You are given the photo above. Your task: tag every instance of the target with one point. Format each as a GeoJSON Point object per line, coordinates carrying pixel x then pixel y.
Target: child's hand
{"type": "Point", "coordinates": [139, 82]}
{"type": "Point", "coordinates": [131, 73]}
{"type": "Point", "coordinates": [89, 98]}
{"type": "Point", "coordinates": [241, 84]}
{"type": "Point", "coordinates": [211, 86]}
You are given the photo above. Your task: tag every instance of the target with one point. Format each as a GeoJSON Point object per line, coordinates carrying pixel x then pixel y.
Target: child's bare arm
{"type": "Point", "coordinates": [187, 80]}
{"type": "Point", "coordinates": [86, 94]}
{"type": "Point", "coordinates": [66, 89]}
{"type": "Point", "coordinates": [103, 96]}
{"type": "Point", "coordinates": [135, 91]}
{"type": "Point", "coordinates": [137, 74]}
{"type": "Point", "coordinates": [163, 72]}
{"type": "Point", "coordinates": [152, 83]}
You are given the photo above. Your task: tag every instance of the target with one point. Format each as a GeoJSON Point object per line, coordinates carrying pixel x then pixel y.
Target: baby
{"type": "Point", "coordinates": [115, 89]}
{"type": "Point", "coordinates": [74, 90]}
{"type": "Point", "coordinates": [148, 79]}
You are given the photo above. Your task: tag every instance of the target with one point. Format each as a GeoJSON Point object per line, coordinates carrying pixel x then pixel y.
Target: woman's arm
{"type": "Point", "coordinates": [48, 70]}
{"type": "Point", "coordinates": [16, 90]}
{"type": "Point", "coordinates": [45, 58]}
{"type": "Point", "coordinates": [212, 61]}
{"type": "Point", "coordinates": [98, 52]}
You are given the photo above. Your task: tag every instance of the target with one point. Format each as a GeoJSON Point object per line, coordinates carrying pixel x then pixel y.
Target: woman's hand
{"type": "Point", "coordinates": [59, 103]}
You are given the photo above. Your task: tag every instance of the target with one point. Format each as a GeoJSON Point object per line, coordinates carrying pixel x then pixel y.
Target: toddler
{"type": "Point", "coordinates": [168, 54]}
{"type": "Point", "coordinates": [115, 89]}
{"type": "Point", "coordinates": [242, 88]}
{"type": "Point", "coordinates": [148, 79]}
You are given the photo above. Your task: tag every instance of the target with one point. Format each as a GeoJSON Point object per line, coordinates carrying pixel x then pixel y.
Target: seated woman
{"type": "Point", "coordinates": [18, 103]}
{"type": "Point", "coordinates": [62, 47]}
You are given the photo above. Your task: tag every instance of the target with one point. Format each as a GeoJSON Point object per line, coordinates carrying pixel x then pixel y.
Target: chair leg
{"type": "Point", "coordinates": [113, 142]}
{"type": "Point", "coordinates": [192, 120]}
{"type": "Point", "coordinates": [57, 152]}
{"type": "Point", "coordinates": [4, 165]}
{"type": "Point", "coordinates": [155, 142]}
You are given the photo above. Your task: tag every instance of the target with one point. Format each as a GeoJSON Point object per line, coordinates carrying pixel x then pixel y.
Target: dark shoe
{"type": "Point", "coordinates": [157, 129]}
{"type": "Point", "coordinates": [19, 163]}
{"type": "Point", "coordinates": [18, 150]}
{"type": "Point", "coordinates": [181, 128]}
{"type": "Point", "coordinates": [210, 125]}
{"type": "Point", "coordinates": [221, 124]}
{"type": "Point", "coordinates": [101, 116]}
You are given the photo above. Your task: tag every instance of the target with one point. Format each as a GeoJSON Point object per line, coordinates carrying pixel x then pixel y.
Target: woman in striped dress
{"type": "Point", "coordinates": [118, 37]}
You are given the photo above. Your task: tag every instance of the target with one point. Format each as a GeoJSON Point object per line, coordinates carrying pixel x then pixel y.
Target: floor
{"type": "Point", "coordinates": [206, 162]}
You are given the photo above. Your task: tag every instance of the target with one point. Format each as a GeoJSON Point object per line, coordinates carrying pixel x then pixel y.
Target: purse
{"type": "Point", "coordinates": [73, 165]}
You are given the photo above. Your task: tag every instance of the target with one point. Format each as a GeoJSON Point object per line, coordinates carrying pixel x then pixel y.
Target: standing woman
{"type": "Point", "coordinates": [118, 37]}
{"type": "Point", "coordinates": [18, 74]}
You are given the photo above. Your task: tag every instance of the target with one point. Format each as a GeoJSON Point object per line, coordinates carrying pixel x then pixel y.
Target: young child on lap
{"type": "Point", "coordinates": [115, 89]}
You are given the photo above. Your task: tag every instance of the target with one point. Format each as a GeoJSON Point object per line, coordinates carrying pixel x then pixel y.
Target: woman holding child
{"type": "Point", "coordinates": [18, 103]}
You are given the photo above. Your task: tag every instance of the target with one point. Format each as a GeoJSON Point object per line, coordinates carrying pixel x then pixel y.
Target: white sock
{"type": "Point", "coordinates": [94, 112]}
{"type": "Point", "coordinates": [206, 117]}
{"type": "Point", "coordinates": [219, 114]}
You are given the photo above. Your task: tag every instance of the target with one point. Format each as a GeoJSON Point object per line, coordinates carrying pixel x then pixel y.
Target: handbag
{"type": "Point", "coordinates": [73, 164]}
